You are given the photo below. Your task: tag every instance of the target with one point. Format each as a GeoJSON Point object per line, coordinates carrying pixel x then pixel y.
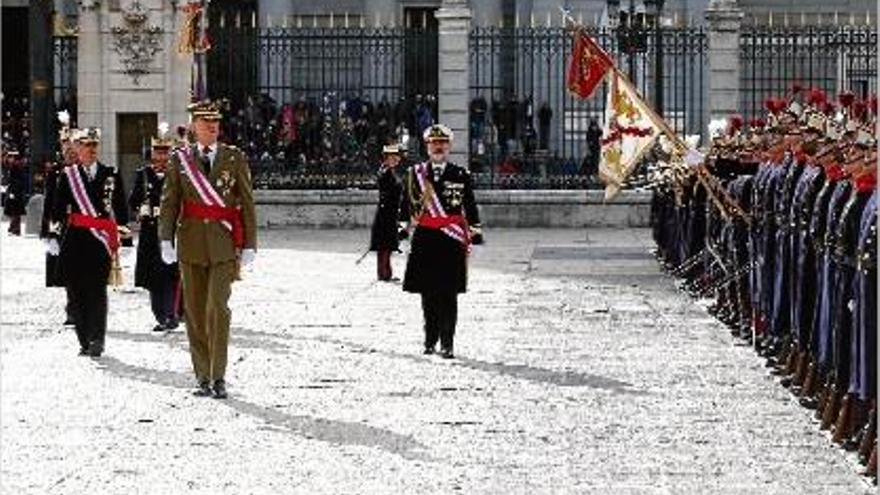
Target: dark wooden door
{"type": "Point", "coordinates": [133, 133]}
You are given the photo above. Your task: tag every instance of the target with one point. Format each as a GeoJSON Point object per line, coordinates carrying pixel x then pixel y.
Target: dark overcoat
{"type": "Point", "coordinates": [438, 263]}
{"type": "Point", "coordinates": [383, 235]}
{"type": "Point", "coordinates": [149, 270]}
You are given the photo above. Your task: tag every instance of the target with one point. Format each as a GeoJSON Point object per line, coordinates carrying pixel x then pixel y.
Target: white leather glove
{"type": "Point", "coordinates": [169, 254]}
{"type": "Point", "coordinates": [694, 158]}
{"type": "Point", "coordinates": [52, 247]}
{"type": "Point", "coordinates": [247, 256]}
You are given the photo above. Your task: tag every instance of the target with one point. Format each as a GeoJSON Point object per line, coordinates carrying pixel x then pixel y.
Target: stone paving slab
{"type": "Point", "coordinates": [588, 374]}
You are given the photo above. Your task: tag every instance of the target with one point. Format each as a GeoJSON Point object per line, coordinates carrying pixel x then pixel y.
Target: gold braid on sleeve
{"type": "Point", "coordinates": [416, 205]}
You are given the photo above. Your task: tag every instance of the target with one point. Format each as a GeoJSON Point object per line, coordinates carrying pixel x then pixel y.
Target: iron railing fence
{"type": "Point", "coordinates": [312, 106]}
{"type": "Point", "coordinates": [523, 119]}
{"type": "Point", "coordinates": [325, 97]}
{"type": "Point", "coordinates": [834, 58]}
{"type": "Point", "coordinates": [64, 64]}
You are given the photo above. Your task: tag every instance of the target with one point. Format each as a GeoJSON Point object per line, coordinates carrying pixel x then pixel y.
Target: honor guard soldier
{"type": "Point", "coordinates": [16, 190]}
{"type": "Point", "coordinates": [52, 174]}
{"type": "Point", "coordinates": [385, 234]}
{"type": "Point", "coordinates": [91, 198]}
{"type": "Point", "coordinates": [150, 272]}
{"type": "Point", "coordinates": [440, 204]}
{"type": "Point", "coordinates": [208, 205]}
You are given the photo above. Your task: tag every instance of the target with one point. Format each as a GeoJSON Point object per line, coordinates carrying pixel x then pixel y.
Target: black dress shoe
{"type": "Point", "coordinates": [204, 389]}
{"type": "Point", "coordinates": [220, 389]}
{"type": "Point", "coordinates": [446, 353]}
{"type": "Point", "coordinates": [428, 351]}
{"type": "Point", "coordinates": [83, 351]}
{"type": "Point", "coordinates": [96, 349]}
{"type": "Point", "coordinates": [159, 328]}
{"type": "Point", "coordinates": [171, 325]}
{"type": "Point", "coordinates": [69, 322]}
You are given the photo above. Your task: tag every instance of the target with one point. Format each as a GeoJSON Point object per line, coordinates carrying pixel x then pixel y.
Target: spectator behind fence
{"type": "Point", "coordinates": [332, 134]}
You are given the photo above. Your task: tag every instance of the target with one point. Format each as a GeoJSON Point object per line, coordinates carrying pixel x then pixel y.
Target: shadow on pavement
{"type": "Point", "coordinates": [520, 371]}
{"type": "Point", "coordinates": [321, 429]}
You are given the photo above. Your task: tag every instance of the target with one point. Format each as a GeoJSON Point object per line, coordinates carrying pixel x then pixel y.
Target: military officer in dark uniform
{"type": "Point", "coordinates": [439, 203]}
{"type": "Point", "coordinates": [16, 190]}
{"type": "Point", "coordinates": [150, 272]}
{"type": "Point", "coordinates": [91, 198]}
{"type": "Point", "coordinates": [52, 175]}
{"type": "Point", "coordinates": [385, 234]}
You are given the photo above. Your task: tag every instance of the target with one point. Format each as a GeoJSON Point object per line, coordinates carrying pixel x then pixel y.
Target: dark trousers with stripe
{"type": "Point", "coordinates": [441, 314]}
{"type": "Point", "coordinates": [88, 299]}
{"type": "Point", "coordinates": [163, 298]}
{"type": "Point", "coordinates": [383, 264]}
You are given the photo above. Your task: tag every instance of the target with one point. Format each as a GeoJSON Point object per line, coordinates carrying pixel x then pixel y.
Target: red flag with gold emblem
{"type": "Point", "coordinates": [588, 66]}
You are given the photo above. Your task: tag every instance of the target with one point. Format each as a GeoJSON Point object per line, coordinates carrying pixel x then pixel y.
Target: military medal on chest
{"type": "Point", "coordinates": [146, 210]}
{"type": "Point", "coordinates": [109, 186]}
{"type": "Point", "coordinates": [453, 192]}
{"type": "Point", "coordinates": [225, 183]}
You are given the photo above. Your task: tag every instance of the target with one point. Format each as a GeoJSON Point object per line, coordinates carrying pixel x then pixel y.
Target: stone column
{"type": "Point", "coordinates": [724, 20]}
{"type": "Point", "coordinates": [106, 85]}
{"type": "Point", "coordinates": [177, 76]}
{"type": "Point", "coordinates": [454, 19]}
{"type": "Point", "coordinates": [90, 68]}
{"type": "Point", "coordinates": [41, 139]}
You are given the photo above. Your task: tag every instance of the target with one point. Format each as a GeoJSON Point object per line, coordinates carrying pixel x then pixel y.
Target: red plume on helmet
{"type": "Point", "coordinates": [817, 98]}
{"type": "Point", "coordinates": [775, 105]}
{"type": "Point", "coordinates": [781, 104]}
{"type": "Point", "coordinates": [734, 124]}
{"type": "Point", "coordinates": [846, 99]}
{"type": "Point", "coordinates": [858, 109]}
{"type": "Point", "coordinates": [828, 108]}
{"type": "Point", "coordinates": [757, 123]}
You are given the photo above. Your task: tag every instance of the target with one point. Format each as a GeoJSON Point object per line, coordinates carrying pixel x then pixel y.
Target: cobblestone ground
{"type": "Point", "coordinates": [580, 370]}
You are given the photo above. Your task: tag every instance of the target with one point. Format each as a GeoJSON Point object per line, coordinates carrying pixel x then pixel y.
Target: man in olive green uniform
{"type": "Point", "coordinates": [207, 201]}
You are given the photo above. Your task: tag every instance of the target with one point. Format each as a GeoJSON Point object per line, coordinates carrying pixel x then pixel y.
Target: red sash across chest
{"type": "Point", "coordinates": [201, 211]}
{"type": "Point", "coordinates": [435, 217]}
{"type": "Point", "coordinates": [107, 226]}
{"type": "Point", "coordinates": [104, 229]}
{"type": "Point", "coordinates": [212, 207]}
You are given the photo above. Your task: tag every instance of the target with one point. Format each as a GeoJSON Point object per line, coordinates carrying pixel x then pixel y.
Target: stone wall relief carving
{"type": "Point", "coordinates": [136, 41]}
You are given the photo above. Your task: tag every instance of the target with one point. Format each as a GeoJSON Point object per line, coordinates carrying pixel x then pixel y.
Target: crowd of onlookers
{"type": "Point", "coordinates": [15, 146]}
{"type": "Point", "coordinates": [16, 125]}
{"type": "Point", "coordinates": [343, 134]}
{"type": "Point", "coordinates": [328, 134]}
{"type": "Point", "coordinates": [334, 140]}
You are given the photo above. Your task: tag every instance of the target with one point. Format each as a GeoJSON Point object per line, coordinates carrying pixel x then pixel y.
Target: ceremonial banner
{"type": "Point", "coordinates": [629, 132]}
{"type": "Point", "coordinates": [588, 66]}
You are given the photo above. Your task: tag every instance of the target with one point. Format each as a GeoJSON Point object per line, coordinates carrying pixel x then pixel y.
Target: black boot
{"type": "Point", "coordinates": [204, 389]}
{"type": "Point", "coordinates": [220, 389]}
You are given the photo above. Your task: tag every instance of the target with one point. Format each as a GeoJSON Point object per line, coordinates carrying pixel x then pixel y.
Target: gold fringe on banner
{"type": "Point", "coordinates": [189, 39]}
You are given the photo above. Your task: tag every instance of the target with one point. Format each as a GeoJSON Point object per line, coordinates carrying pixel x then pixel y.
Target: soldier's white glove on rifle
{"type": "Point", "coordinates": [169, 254]}
{"type": "Point", "coordinates": [694, 158]}
{"type": "Point", "coordinates": [247, 256]}
{"type": "Point", "coordinates": [52, 247]}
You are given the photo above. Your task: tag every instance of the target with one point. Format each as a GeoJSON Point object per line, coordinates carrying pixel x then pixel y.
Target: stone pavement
{"type": "Point", "coordinates": [580, 370]}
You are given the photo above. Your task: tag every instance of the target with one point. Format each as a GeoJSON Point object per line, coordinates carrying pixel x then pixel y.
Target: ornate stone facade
{"type": "Point", "coordinates": [127, 63]}
{"type": "Point", "coordinates": [136, 41]}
